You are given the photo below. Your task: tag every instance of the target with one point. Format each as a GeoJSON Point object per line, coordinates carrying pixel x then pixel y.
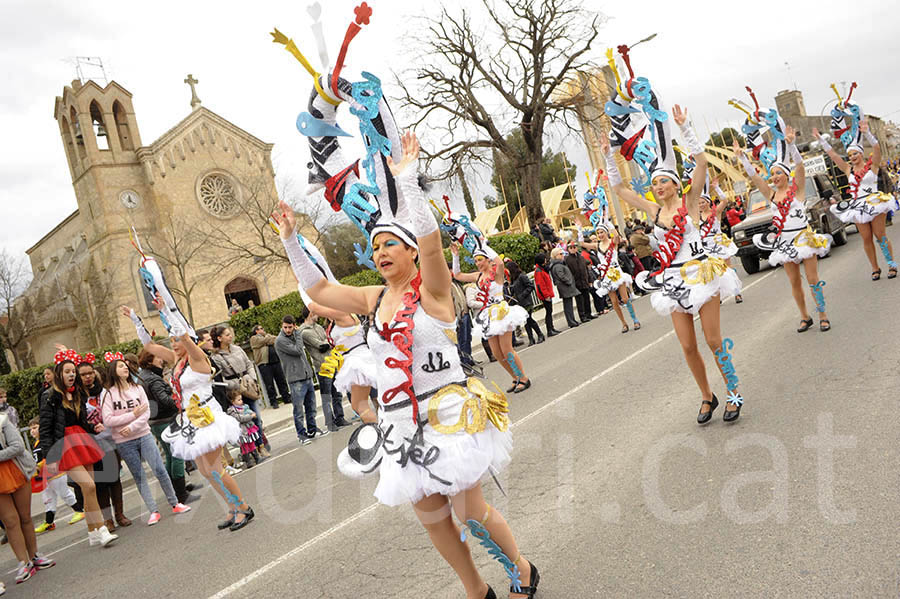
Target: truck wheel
{"type": "Point", "coordinates": [750, 264]}
{"type": "Point", "coordinates": [840, 238]}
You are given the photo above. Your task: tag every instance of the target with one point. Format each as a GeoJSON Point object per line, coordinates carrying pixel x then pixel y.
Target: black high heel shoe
{"type": "Point", "coordinates": [520, 386]}
{"type": "Point", "coordinates": [733, 415]}
{"type": "Point", "coordinates": [704, 417]}
{"type": "Point", "coordinates": [490, 593]}
{"type": "Point", "coordinates": [248, 516]}
{"type": "Point", "coordinates": [531, 589]}
{"type": "Point", "coordinates": [513, 388]}
{"type": "Point", "coordinates": [227, 523]}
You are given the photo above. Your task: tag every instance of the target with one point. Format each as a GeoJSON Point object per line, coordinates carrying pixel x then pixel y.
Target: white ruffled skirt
{"type": "Point", "coordinates": [191, 441]}
{"type": "Point", "coordinates": [793, 246]}
{"type": "Point", "coordinates": [864, 210]}
{"type": "Point", "coordinates": [688, 287]}
{"type": "Point", "coordinates": [719, 246]}
{"type": "Point", "coordinates": [358, 369]}
{"type": "Point", "coordinates": [499, 318]}
{"type": "Point", "coordinates": [615, 278]}
{"type": "Point", "coordinates": [438, 463]}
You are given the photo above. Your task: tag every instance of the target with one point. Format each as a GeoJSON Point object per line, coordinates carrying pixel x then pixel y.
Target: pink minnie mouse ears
{"type": "Point", "coordinates": [67, 355]}
{"type": "Point", "coordinates": [112, 357]}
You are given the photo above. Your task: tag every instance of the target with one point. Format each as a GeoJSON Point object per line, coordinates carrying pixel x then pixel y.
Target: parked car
{"type": "Point", "coordinates": [819, 191]}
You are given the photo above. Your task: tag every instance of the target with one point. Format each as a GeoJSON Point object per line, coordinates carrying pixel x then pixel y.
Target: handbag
{"type": "Point", "coordinates": [249, 386]}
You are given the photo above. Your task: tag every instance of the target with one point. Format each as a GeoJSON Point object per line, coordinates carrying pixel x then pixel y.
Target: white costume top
{"type": "Point", "coordinates": [715, 242]}
{"type": "Point", "coordinates": [797, 240]}
{"type": "Point", "coordinates": [614, 277]}
{"type": "Point", "coordinates": [867, 203]}
{"type": "Point", "coordinates": [497, 316]}
{"type": "Point", "coordinates": [691, 279]}
{"type": "Point", "coordinates": [418, 460]}
{"type": "Point", "coordinates": [191, 441]}
{"type": "Point", "coordinates": [359, 363]}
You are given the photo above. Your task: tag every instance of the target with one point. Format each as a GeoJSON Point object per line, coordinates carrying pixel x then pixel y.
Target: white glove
{"type": "Point", "coordinates": [422, 220]}
{"type": "Point", "coordinates": [612, 171]}
{"type": "Point", "coordinates": [142, 332]}
{"type": "Point", "coordinates": [306, 272]}
{"type": "Point", "coordinates": [690, 139]}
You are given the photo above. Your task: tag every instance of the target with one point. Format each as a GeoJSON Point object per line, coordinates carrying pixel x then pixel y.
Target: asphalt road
{"type": "Point", "coordinates": [614, 491]}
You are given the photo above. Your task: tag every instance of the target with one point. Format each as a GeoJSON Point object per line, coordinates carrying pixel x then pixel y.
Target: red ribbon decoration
{"type": "Point", "coordinates": [671, 242]}
{"type": "Point", "coordinates": [854, 187]}
{"type": "Point", "coordinates": [402, 338]}
{"type": "Point", "coordinates": [608, 254]}
{"type": "Point", "coordinates": [334, 186]}
{"type": "Point", "coordinates": [363, 13]}
{"type": "Point", "coordinates": [484, 287]}
{"type": "Point", "coordinates": [784, 207]}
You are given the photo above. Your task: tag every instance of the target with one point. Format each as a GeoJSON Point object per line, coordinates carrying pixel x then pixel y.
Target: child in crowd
{"type": "Point", "coordinates": [249, 431]}
{"type": "Point", "coordinates": [7, 409]}
{"type": "Point", "coordinates": [53, 489]}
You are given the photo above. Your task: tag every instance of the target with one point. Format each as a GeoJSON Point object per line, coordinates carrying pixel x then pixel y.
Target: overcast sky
{"type": "Point", "coordinates": [705, 53]}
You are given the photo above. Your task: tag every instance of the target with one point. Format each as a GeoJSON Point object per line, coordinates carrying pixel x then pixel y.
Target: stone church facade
{"type": "Point", "coordinates": [197, 197]}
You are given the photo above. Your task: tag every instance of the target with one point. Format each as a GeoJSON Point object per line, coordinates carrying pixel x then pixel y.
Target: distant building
{"type": "Point", "coordinates": [204, 170]}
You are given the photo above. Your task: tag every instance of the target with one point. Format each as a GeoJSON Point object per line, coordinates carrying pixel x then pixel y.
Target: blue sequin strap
{"type": "Point", "coordinates": [484, 539]}
{"type": "Point", "coordinates": [723, 357]}
{"type": "Point", "coordinates": [819, 295]}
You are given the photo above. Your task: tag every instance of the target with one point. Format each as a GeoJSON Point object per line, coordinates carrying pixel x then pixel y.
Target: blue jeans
{"type": "Point", "coordinates": [303, 398]}
{"type": "Point", "coordinates": [144, 449]}
{"type": "Point", "coordinates": [331, 402]}
{"type": "Point", "coordinates": [464, 338]}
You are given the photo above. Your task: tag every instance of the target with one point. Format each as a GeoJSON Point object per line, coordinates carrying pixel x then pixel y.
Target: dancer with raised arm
{"type": "Point", "coordinates": [611, 280]}
{"type": "Point", "coordinates": [496, 317]}
{"type": "Point", "coordinates": [689, 282]}
{"type": "Point", "coordinates": [867, 208]}
{"type": "Point", "coordinates": [791, 241]}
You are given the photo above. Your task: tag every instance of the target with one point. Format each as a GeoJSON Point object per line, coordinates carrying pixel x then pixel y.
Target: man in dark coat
{"type": "Point", "coordinates": [579, 269]}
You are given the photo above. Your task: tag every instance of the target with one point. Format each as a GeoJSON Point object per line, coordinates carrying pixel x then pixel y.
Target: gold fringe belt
{"type": "Point", "coordinates": [481, 406]}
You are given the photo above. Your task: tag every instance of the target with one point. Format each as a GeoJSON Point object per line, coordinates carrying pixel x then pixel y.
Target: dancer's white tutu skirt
{"type": "Point", "coordinates": [499, 318]}
{"type": "Point", "coordinates": [793, 246]}
{"type": "Point", "coordinates": [688, 287]}
{"type": "Point", "coordinates": [719, 246]}
{"type": "Point", "coordinates": [415, 466]}
{"type": "Point", "coordinates": [615, 278]}
{"type": "Point", "coordinates": [358, 369]}
{"type": "Point", "coordinates": [864, 210]}
{"type": "Point", "coordinates": [193, 441]}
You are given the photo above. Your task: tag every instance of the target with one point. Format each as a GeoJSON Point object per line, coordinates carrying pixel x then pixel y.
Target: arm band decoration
{"type": "Point", "coordinates": [456, 264]}
{"type": "Point", "coordinates": [612, 171]}
{"type": "Point", "coordinates": [794, 153]}
{"type": "Point", "coordinates": [304, 269]}
{"type": "Point", "coordinates": [873, 141]}
{"type": "Point", "coordinates": [824, 143]}
{"type": "Point", "coordinates": [690, 139]}
{"type": "Point", "coordinates": [748, 167]}
{"type": "Point", "coordinates": [142, 332]}
{"type": "Point", "coordinates": [720, 192]}
{"type": "Point", "coordinates": [422, 220]}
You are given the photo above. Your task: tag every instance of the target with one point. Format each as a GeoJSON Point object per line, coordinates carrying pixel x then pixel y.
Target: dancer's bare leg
{"type": "Point", "coordinates": [506, 350]}
{"type": "Point", "coordinates": [614, 300]}
{"type": "Point", "coordinates": [494, 343]}
{"type": "Point", "coordinates": [435, 515]}
{"type": "Point", "coordinates": [684, 330]}
{"type": "Point", "coordinates": [209, 464]}
{"type": "Point", "coordinates": [793, 274]}
{"type": "Point", "coordinates": [865, 231]}
{"type": "Point", "coordinates": [811, 265]}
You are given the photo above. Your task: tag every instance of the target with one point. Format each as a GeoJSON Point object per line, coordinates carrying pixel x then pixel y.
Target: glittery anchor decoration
{"type": "Point", "coordinates": [723, 356]}
{"type": "Point", "coordinates": [484, 539]}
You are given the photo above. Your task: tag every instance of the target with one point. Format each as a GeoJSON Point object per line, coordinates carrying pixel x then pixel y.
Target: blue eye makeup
{"type": "Point", "coordinates": [391, 243]}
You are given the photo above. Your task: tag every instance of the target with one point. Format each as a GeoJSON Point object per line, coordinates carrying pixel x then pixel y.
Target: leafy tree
{"type": "Point", "coordinates": [725, 138]}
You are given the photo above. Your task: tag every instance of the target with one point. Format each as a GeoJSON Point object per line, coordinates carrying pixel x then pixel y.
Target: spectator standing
{"type": "Point", "coordinates": [16, 468]}
{"type": "Point", "coordinates": [565, 284]}
{"type": "Point", "coordinates": [579, 269]}
{"type": "Point", "coordinates": [298, 373]}
{"type": "Point", "coordinates": [536, 232]}
{"type": "Point", "coordinates": [521, 287]}
{"type": "Point", "coordinates": [7, 409]}
{"type": "Point", "coordinates": [46, 387]}
{"type": "Point", "coordinates": [125, 410]}
{"type": "Point", "coordinates": [106, 471]}
{"type": "Point", "coordinates": [266, 358]}
{"type": "Point", "coordinates": [234, 308]}
{"type": "Point", "coordinates": [641, 243]}
{"type": "Point", "coordinates": [547, 232]}
{"type": "Point", "coordinates": [52, 489]}
{"type": "Point", "coordinates": [318, 347]}
{"type": "Point", "coordinates": [463, 324]}
{"type": "Point", "coordinates": [544, 288]}
{"type": "Point", "coordinates": [162, 413]}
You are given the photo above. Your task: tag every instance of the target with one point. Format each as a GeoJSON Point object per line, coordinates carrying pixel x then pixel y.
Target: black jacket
{"type": "Point", "coordinates": [521, 290]}
{"type": "Point", "coordinates": [53, 424]}
{"type": "Point", "coordinates": [159, 395]}
{"type": "Point", "coordinates": [579, 270]}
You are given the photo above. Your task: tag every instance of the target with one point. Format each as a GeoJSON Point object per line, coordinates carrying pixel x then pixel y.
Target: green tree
{"type": "Point", "coordinates": [725, 138]}
{"type": "Point", "coordinates": [553, 168]}
{"type": "Point", "coordinates": [337, 246]}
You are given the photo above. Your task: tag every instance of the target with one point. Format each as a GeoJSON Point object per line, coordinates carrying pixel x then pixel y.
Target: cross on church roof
{"type": "Point", "coordinates": [195, 101]}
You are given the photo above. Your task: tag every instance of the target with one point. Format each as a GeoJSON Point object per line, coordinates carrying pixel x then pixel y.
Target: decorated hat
{"type": "Point", "coordinates": [364, 190]}
{"type": "Point", "coordinates": [688, 165]}
{"type": "Point", "coordinates": [845, 119]}
{"type": "Point", "coordinates": [463, 230]}
{"type": "Point", "coordinates": [641, 128]}
{"type": "Point", "coordinates": [772, 153]}
{"type": "Point", "coordinates": [594, 204]}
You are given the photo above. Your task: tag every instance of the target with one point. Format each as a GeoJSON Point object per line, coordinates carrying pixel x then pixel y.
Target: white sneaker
{"type": "Point", "coordinates": [322, 433]}
{"type": "Point", "coordinates": [101, 537]}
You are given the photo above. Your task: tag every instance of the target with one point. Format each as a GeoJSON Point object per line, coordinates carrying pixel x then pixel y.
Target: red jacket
{"type": "Point", "coordinates": [543, 284]}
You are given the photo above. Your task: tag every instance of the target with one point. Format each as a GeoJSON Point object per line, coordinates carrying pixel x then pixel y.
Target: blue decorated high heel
{"type": "Point", "coordinates": [531, 589]}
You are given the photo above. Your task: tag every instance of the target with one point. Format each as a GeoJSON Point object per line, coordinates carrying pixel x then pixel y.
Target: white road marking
{"type": "Point", "coordinates": [368, 509]}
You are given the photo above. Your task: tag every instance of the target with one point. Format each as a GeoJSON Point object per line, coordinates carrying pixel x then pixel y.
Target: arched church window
{"type": "Point", "coordinates": [218, 194]}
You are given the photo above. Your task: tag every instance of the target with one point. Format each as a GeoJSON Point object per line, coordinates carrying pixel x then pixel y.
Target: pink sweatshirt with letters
{"type": "Point", "coordinates": [117, 409]}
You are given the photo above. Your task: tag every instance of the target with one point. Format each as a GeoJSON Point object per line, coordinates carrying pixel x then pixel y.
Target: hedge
{"type": "Point", "coordinates": [521, 247]}
{"type": "Point", "coordinates": [269, 314]}
{"type": "Point", "coordinates": [24, 386]}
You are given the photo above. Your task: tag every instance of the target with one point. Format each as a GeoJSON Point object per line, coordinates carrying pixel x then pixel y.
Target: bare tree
{"type": "Point", "coordinates": [472, 87]}
{"type": "Point", "coordinates": [179, 247]}
{"type": "Point", "coordinates": [16, 315]}
{"type": "Point", "coordinates": [87, 287]}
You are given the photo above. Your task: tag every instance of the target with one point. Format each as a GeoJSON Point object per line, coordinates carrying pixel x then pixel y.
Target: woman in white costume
{"type": "Point", "coordinates": [496, 317]}
{"type": "Point", "coordinates": [689, 282]}
{"type": "Point", "coordinates": [611, 279]}
{"type": "Point", "coordinates": [867, 208]}
{"type": "Point", "coordinates": [791, 242]}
